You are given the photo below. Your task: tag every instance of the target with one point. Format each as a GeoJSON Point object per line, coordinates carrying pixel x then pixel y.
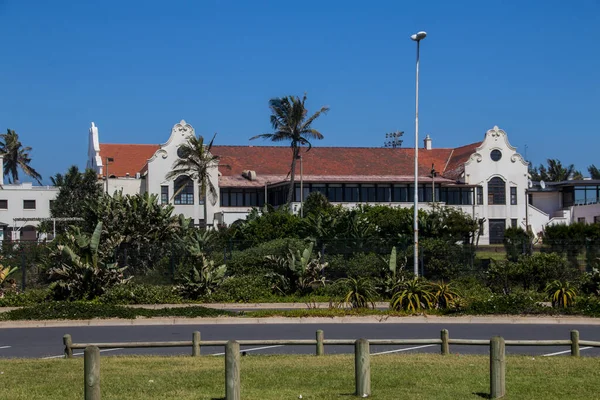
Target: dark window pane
{"type": "Point", "coordinates": [384, 194]}
{"type": "Point", "coordinates": [496, 191]}
{"type": "Point", "coordinates": [29, 204]}
{"type": "Point", "coordinates": [334, 194]}
{"type": "Point", "coordinates": [185, 186]}
{"type": "Point", "coordinates": [513, 195]}
{"type": "Point", "coordinates": [225, 197]}
{"type": "Point", "coordinates": [164, 194]}
{"type": "Point", "coordinates": [351, 193]}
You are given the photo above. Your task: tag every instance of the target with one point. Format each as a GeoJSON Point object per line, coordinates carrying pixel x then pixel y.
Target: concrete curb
{"type": "Point", "coordinates": [305, 320]}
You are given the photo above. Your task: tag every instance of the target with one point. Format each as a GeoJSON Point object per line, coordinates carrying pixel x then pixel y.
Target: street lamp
{"type": "Point", "coordinates": [108, 160]}
{"type": "Point", "coordinates": [417, 37]}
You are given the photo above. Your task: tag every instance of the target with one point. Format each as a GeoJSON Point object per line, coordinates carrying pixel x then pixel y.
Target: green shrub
{"type": "Point", "coordinates": [413, 295]}
{"type": "Point", "coordinates": [443, 260]}
{"type": "Point", "coordinates": [140, 294]}
{"type": "Point", "coordinates": [243, 289]}
{"type": "Point", "coordinates": [512, 303]}
{"type": "Point", "coordinates": [203, 279]}
{"type": "Point", "coordinates": [360, 292]}
{"type": "Point", "coordinates": [69, 310]}
{"type": "Point", "coordinates": [368, 265]}
{"type": "Point", "coordinates": [26, 298]}
{"type": "Point", "coordinates": [253, 261]}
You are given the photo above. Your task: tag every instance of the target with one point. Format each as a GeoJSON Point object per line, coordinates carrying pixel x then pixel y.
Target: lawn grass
{"type": "Point", "coordinates": [419, 376]}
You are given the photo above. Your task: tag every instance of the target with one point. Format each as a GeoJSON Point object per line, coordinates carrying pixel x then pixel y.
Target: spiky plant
{"type": "Point", "coordinates": [412, 295]}
{"type": "Point", "coordinates": [445, 296]}
{"type": "Point", "coordinates": [360, 293]}
{"type": "Point", "coordinates": [561, 294]}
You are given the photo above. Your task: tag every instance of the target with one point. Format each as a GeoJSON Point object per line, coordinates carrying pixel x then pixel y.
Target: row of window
{"type": "Point", "coordinates": [370, 193]}
{"type": "Point", "coordinates": [27, 204]}
{"type": "Point", "coordinates": [184, 189]}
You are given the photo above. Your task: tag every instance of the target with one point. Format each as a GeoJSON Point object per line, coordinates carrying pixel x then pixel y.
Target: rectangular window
{"type": "Point", "coordinates": [251, 199]}
{"type": "Point", "coordinates": [318, 187]}
{"type": "Point", "coordinates": [367, 193]}
{"type": "Point", "coordinates": [513, 222]}
{"type": "Point", "coordinates": [29, 204]}
{"type": "Point", "coordinates": [351, 193]}
{"type": "Point", "coordinates": [164, 194]}
{"type": "Point", "coordinates": [597, 219]}
{"type": "Point", "coordinates": [224, 197]}
{"type": "Point", "coordinates": [384, 193]}
{"type": "Point", "coordinates": [3, 204]}
{"type": "Point", "coordinates": [400, 194]}
{"type": "Point", "coordinates": [581, 220]}
{"type": "Point", "coordinates": [479, 195]}
{"type": "Point", "coordinates": [513, 195]}
{"type": "Point", "coordinates": [335, 193]}
{"type": "Point", "coordinates": [236, 198]}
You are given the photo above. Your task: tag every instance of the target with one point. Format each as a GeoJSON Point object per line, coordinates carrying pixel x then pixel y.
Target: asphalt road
{"type": "Point", "coordinates": [47, 342]}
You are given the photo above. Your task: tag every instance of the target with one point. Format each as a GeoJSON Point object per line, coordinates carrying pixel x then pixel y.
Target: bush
{"type": "Point", "coordinates": [368, 265]}
{"type": "Point", "coordinates": [243, 289]}
{"type": "Point", "coordinates": [517, 242]}
{"type": "Point", "coordinates": [27, 298]}
{"type": "Point", "coordinates": [140, 294]}
{"type": "Point", "coordinates": [512, 303]}
{"type": "Point", "coordinates": [253, 260]}
{"type": "Point", "coordinates": [443, 260]}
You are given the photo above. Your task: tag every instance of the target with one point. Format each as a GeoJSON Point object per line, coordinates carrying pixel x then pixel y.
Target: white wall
{"type": "Point", "coordinates": [548, 202]}
{"type": "Point", "coordinates": [15, 194]}
{"type": "Point", "coordinates": [588, 212]}
{"type": "Point", "coordinates": [512, 168]}
{"type": "Point", "coordinates": [129, 186]}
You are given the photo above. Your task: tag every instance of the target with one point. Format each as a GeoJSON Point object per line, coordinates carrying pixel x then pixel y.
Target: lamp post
{"type": "Point", "coordinates": [433, 172]}
{"type": "Point", "coordinates": [108, 160]}
{"type": "Point", "coordinates": [417, 37]}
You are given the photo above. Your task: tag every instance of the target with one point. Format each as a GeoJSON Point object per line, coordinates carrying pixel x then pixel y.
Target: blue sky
{"type": "Point", "coordinates": [135, 68]}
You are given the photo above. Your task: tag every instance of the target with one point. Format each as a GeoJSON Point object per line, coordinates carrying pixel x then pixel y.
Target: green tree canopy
{"type": "Point", "coordinates": [16, 156]}
{"type": "Point", "coordinates": [290, 124]}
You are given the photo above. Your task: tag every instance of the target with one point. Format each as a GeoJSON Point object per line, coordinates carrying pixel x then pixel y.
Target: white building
{"type": "Point", "coordinates": [486, 179]}
{"type": "Point", "coordinates": [21, 207]}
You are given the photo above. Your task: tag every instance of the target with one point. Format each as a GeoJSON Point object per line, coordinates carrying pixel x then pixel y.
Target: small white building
{"type": "Point", "coordinates": [21, 207]}
{"type": "Point", "coordinates": [487, 179]}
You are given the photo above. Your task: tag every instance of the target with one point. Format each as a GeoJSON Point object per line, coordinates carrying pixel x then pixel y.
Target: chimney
{"type": "Point", "coordinates": [1, 170]}
{"type": "Point", "coordinates": [427, 143]}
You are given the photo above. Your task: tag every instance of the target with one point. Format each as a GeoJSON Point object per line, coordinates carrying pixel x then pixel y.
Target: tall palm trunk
{"type": "Point", "coordinates": [290, 196]}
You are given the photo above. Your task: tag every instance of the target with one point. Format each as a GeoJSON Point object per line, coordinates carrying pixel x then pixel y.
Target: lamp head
{"type": "Point", "coordinates": [418, 36]}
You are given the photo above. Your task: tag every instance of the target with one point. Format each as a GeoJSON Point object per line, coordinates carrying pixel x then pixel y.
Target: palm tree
{"type": "Point", "coordinates": [558, 173]}
{"type": "Point", "coordinates": [15, 156]}
{"type": "Point", "coordinates": [195, 160]}
{"type": "Point", "coordinates": [594, 172]}
{"type": "Point", "coordinates": [290, 123]}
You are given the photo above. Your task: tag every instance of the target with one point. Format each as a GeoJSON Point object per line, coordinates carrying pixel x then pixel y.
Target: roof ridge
{"type": "Point", "coordinates": [448, 161]}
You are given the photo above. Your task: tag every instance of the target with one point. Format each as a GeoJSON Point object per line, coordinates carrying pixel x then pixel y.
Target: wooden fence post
{"type": "Point", "coordinates": [575, 343]}
{"type": "Point", "coordinates": [67, 341]}
{"type": "Point", "coordinates": [91, 368]}
{"type": "Point", "coordinates": [196, 344]}
{"type": "Point", "coordinates": [497, 368]}
{"type": "Point", "coordinates": [445, 345]}
{"type": "Point", "coordinates": [362, 368]}
{"type": "Point", "coordinates": [232, 370]}
{"type": "Point", "coordinates": [320, 346]}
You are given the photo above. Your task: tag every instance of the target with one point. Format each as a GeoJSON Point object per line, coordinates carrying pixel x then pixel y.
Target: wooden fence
{"type": "Point", "coordinates": [362, 355]}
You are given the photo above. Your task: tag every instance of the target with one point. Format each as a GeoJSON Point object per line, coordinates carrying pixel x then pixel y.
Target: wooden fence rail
{"type": "Point", "coordinates": [320, 342]}
{"type": "Point", "coordinates": [362, 356]}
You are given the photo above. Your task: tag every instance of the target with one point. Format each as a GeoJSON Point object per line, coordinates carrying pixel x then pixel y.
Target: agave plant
{"type": "Point", "coordinates": [300, 270]}
{"type": "Point", "coordinates": [361, 292]}
{"type": "Point", "coordinates": [445, 296]}
{"type": "Point", "coordinates": [83, 274]}
{"type": "Point", "coordinates": [203, 281]}
{"type": "Point", "coordinates": [561, 294]}
{"type": "Point", "coordinates": [412, 295]}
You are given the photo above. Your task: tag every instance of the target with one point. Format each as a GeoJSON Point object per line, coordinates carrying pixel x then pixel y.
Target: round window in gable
{"type": "Point", "coordinates": [496, 155]}
{"type": "Point", "coordinates": [180, 152]}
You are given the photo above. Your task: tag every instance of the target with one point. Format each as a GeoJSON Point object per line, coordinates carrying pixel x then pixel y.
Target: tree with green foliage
{"type": "Point", "coordinates": [517, 241]}
{"type": "Point", "coordinates": [16, 156]}
{"type": "Point", "coordinates": [76, 190]}
{"type": "Point", "coordinates": [143, 229]}
{"type": "Point", "coordinates": [291, 124]}
{"type": "Point", "coordinates": [196, 161]}
{"type": "Point", "coordinates": [83, 272]}
{"type": "Point", "coordinates": [594, 172]}
{"type": "Point", "coordinates": [315, 204]}
{"type": "Point", "coordinates": [555, 172]}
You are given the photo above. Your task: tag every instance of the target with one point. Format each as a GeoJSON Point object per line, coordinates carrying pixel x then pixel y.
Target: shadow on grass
{"type": "Point", "coordinates": [482, 395]}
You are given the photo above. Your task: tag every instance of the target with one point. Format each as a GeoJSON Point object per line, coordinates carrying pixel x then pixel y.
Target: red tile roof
{"type": "Point", "coordinates": [128, 158]}
{"type": "Point", "coordinates": [337, 163]}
